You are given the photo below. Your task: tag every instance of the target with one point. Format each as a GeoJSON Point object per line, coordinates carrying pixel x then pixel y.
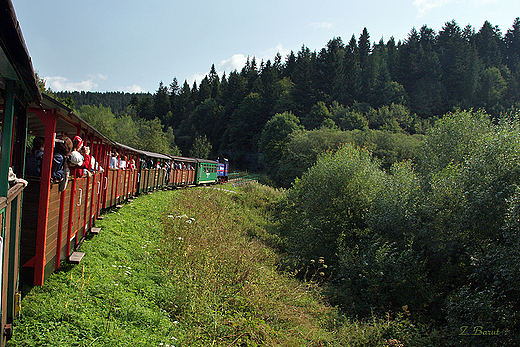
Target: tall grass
{"type": "Point", "coordinates": [189, 268]}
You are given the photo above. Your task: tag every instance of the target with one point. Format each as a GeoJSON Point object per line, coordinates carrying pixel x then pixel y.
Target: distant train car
{"type": "Point", "coordinates": [182, 171]}
{"type": "Point", "coordinates": [206, 172]}
{"type": "Point", "coordinates": [153, 171]}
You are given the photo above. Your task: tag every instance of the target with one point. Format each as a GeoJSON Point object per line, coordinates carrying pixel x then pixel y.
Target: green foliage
{"type": "Point", "coordinates": [453, 137]}
{"type": "Point", "coordinates": [317, 218]}
{"type": "Point", "coordinates": [201, 148]}
{"type": "Point", "coordinates": [140, 134]}
{"type": "Point", "coordinates": [303, 149]}
{"type": "Point", "coordinates": [274, 139]}
{"type": "Point", "coordinates": [441, 241]}
{"type": "Point", "coordinates": [100, 117]}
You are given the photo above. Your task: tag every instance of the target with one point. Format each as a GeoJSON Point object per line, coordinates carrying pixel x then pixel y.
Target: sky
{"type": "Point", "coordinates": [132, 46]}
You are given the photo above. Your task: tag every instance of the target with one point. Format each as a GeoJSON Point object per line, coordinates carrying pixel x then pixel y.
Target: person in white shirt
{"type": "Point", "coordinates": [113, 159]}
{"type": "Point", "coordinates": [122, 163]}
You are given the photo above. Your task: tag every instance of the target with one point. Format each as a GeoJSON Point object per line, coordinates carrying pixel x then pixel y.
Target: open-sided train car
{"type": "Point", "coordinates": [182, 171]}
{"type": "Point", "coordinates": [18, 88]}
{"type": "Point", "coordinates": [57, 215]}
{"type": "Point", "coordinates": [153, 171]}
{"type": "Point", "coordinates": [121, 181]}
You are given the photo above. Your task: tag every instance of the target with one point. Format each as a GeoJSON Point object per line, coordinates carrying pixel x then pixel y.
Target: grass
{"type": "Point", "coordinates": [189, 268]}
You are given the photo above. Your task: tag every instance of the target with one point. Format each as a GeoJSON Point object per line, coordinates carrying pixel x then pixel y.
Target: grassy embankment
{"type": "Point", "coordinates": [187, 268]}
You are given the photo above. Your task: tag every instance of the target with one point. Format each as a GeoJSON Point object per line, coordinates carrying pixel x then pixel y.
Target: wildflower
{"type": "Point", "coordinates": [180, 238]}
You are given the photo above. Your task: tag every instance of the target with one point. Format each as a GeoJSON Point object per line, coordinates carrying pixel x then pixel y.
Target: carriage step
{"type": "Point", "coordinates": [76, 257]}
{"type": "Point", "coordinates": [95, 230]}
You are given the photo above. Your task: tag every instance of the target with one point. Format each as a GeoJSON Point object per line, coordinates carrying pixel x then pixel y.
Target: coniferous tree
{"type": "Point", "coordinates": [512, 43]}
{"type": "Point", "coordinates": [146, 109]}
{"type": "Point", "coordinates": [454, 51]}
{"type": "Point", "coordinates": [161, 102]}
{"type": "Point", "coordinates": [303, 93]}
{"type": "Point", "coordinates": [489, 44]}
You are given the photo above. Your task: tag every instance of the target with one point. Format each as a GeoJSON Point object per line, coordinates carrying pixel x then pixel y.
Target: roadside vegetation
{"type": "Point", "coordinates": [190, 268]}
{"type": "Point", "coordinates": [437, 238]}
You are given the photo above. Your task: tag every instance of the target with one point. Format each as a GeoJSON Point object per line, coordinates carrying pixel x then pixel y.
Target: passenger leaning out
{"type": "Point", "coordinates": [60, 172]}
{"type": "Point", "coordinates": [77, 163]}
{"type": "Point", "coordinates": [87, 159]}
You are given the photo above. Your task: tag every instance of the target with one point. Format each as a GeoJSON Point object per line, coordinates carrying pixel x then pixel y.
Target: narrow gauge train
{"type": "Point", "coordinates": [43, 221]}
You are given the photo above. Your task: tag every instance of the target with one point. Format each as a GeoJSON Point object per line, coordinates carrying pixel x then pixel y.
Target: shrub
{"type": "Point", "coordinates": [328, 205]}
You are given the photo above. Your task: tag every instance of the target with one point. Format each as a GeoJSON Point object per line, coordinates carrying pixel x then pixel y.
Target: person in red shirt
{"type": "Point", "coordinates": [77, 163]}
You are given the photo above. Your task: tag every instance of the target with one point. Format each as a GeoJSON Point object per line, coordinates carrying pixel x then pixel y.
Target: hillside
{"type": "Point", "coordinates": [357, 84]}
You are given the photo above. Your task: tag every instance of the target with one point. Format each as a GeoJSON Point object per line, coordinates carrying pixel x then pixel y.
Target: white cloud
{"type": "Point", "coordinates": [134, 88]}
{"type": "Point", "coordinates": [58, 83]}
{"type": "Point", "coordinates": [236, 62]}
{"type": "Point", "coordinates": [485, 2]}
{"type": "Point", "coordinates": [271, 53]}
{"type": "Point", "coordinates": [198, 77]}
{"type": "Point", "coordinates": [424, 6]}
{"type": "Point", "coordinates": [321, 25]}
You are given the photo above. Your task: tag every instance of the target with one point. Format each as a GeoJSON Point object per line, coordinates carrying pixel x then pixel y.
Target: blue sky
{"type": "Point", "coordinates": [130, 45]}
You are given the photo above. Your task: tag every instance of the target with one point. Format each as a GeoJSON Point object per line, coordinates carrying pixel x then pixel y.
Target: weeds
{"type": "Point", "coordinates": [190, 268]}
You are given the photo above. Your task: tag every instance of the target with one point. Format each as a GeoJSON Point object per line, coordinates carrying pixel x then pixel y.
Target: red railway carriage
{"type": "Point", "coordinates": [153, 169]}
{"type": "Point", "coordinates": [65, 210]}
{"type": "Point", "coordinates": [182, 171]}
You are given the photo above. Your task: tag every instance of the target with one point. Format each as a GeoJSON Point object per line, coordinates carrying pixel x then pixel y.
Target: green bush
{"type": "Point", "coordinates": [328, 206]}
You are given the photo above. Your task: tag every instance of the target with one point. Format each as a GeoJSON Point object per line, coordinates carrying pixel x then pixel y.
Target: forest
{"type": "Point", "coordinates": [415, 146]}
{"type": "Point", "coordinates": [391, 87]}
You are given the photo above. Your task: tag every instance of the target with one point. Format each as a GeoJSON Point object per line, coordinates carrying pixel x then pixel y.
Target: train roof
{"type": "Point", "coordinates": [207, 161]}
{"type": "Point", "coordinates": [127, 147]}
{"type": "Point", "coordinates": [14, 57]}
{"type": "Point", "coordinates": [68, 121]}
{"type": "Point", "coordinates": [177, 158]}
{"type": "Point", "coordinates": [155, 155]}
{"type": "Point", "coordinates": [146, 153]}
